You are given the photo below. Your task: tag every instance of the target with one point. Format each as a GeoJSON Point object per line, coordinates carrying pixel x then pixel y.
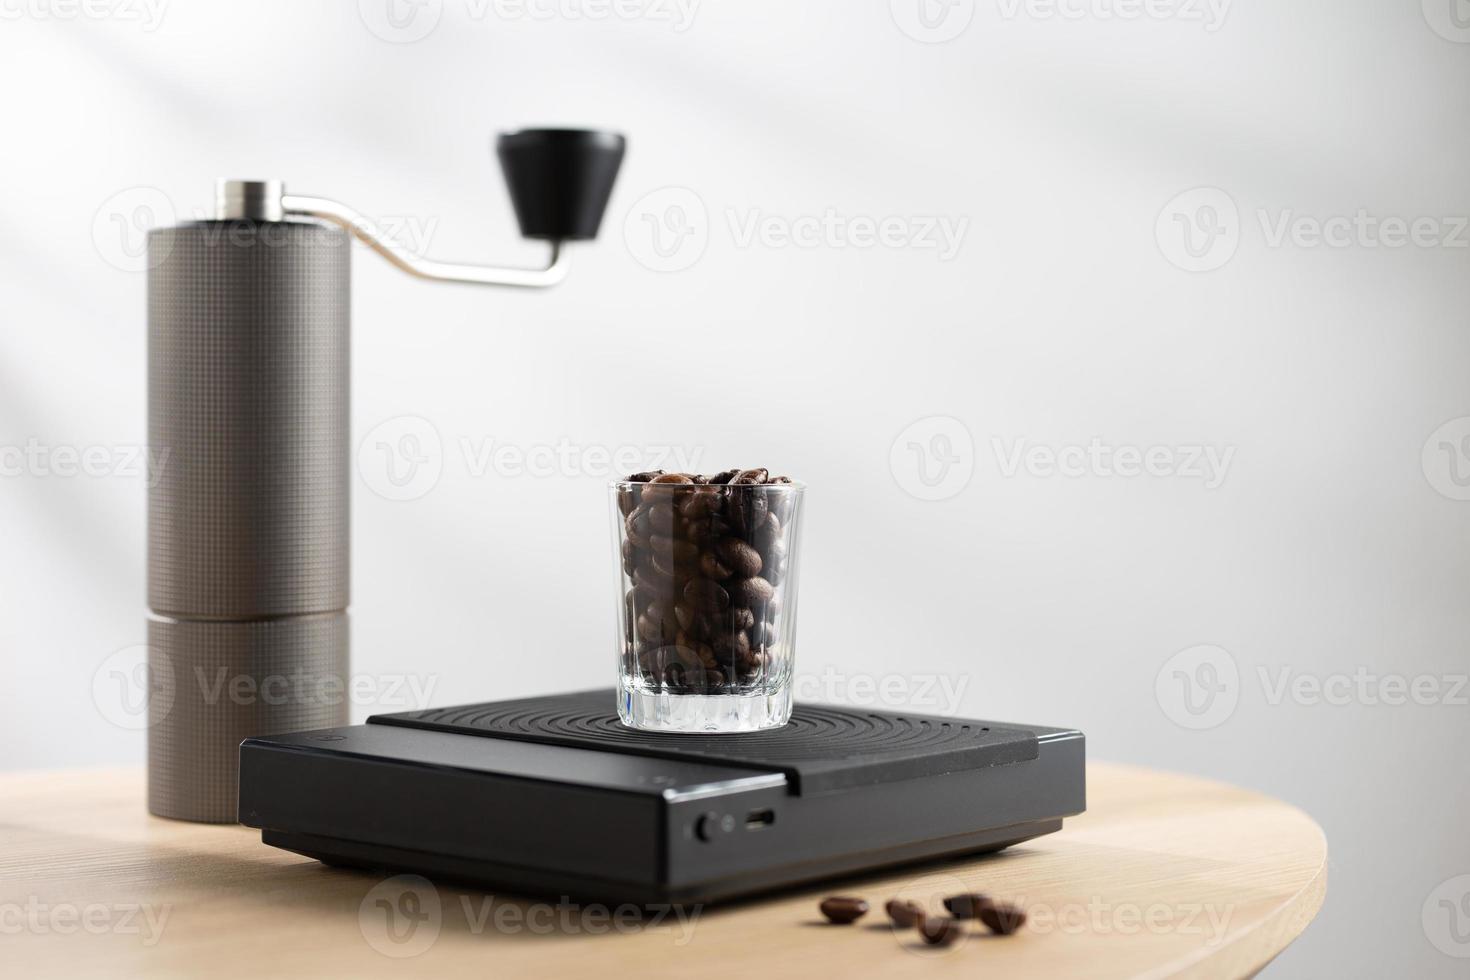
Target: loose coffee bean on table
{"type": "Point", "coordinates": [966, 906]}
{"type": "Point", "coordinates": [940, 931]}
{"type": "Point", "coordinates": [1002, 919]}
{"type": "Point", "coordinates": [904, 914]}
{"type": "Point", "coordinates": [842, 909]}
{"type": "Point", "coordinates": [707, 560]}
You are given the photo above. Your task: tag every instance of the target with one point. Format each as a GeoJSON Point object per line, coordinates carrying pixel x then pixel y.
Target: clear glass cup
{"type": "Point", "coordinates": [706, 604]}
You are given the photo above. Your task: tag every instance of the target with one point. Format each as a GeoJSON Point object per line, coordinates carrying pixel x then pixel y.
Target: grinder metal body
{"type": "Point", "coordinates": [249, 330]}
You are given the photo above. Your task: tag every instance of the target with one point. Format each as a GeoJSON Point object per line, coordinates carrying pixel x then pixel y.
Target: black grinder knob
{"type": "Point", "coordinates": [560, 179]}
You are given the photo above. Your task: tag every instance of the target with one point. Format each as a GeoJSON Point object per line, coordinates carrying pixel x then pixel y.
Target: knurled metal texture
{"type": "Point", "coordinates": [215, 684]}
{"type": "Point", "coordinates": [248, 386]}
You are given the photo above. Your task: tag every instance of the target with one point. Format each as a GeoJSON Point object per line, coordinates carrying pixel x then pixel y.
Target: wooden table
{"type": "Point", "coordinates": [1165, 875]}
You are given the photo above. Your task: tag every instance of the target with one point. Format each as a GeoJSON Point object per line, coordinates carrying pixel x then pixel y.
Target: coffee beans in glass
{"type": "Point", "coordinates": [706, 599]}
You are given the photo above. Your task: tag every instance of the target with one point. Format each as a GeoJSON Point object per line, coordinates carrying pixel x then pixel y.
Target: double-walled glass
{"type": "Point", "coordinates": [706, 604]}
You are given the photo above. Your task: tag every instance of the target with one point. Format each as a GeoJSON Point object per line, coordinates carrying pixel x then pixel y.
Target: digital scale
{"type": "Point", "coordinates": [554, 796]}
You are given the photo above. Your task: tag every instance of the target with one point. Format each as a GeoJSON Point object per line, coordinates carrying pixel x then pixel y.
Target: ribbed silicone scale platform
{"type": "Point", "coordinates": [822, 748]}
{"type": "Point", "coordinates": [226, 682]}
{"type": "Point", "coordinates": [248, 398]}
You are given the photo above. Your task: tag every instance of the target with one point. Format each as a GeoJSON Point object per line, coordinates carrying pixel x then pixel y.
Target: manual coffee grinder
{"type": "Point", "coordinates": [248, 393]}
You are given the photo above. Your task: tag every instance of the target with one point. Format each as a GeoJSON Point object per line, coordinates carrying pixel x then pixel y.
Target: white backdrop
{"type": "Point", "coordinates": [1123, 348]}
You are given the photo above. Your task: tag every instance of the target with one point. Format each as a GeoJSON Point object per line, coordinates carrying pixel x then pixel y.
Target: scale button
{"type": "Point", "coordinates": [710, 824]}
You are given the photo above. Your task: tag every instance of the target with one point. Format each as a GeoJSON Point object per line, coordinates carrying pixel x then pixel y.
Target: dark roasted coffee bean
{"type": "Point", "coordinates": [645, 592]}
{"type": "Point", "coordinates": [652, 577]}
{"type": "Point", "coordinates": [736, 645]}
{"type": "Point", "coordinates": [1001, 918]}
{"type": "Point", "coordinates": [708, 595]}
{"type": "Point", "coordinates": [768, 536]}
{"type": "Point", "coordinates": [966, 905]}
{"type": "Point", "coordinates": [720, 479]}
{"type": "Point", "coordinates": [740, 619]}
{"type": "Point", "coordinates": [752, 593]}
{"type": "Point", "coordinates": [904, 913]}
{"type": "Point", "coordinates": [675, 676]}
{"type": "Point", "coordinates": [700, 503]}
{"type": "Point", "coordinates": [692, 652]}
{"type": "Point", "coordinates": [636, 528]}
{"type": "Point", "coordinates": [667, 486]}
{"type": "Point", "coordinates": [707, 530]}
{"type": "Point", "coordinates": [650, 661]}
{"type": "Point", "coordinates": [664, 567]}
{"type": "Point", "coordinates": [660, 519]}
{"type": "Point", "coordinates": [645, 476]}
{"type": "Point", "coordinates": [627, 500]}
{"type": "Point", "coordinates": [643, 597]}
{"type": "Point", "coordinates": [774, 571]}
{"type": "Point", "coordinates": [687, 614]}
{"type": "Point", "coordinates": [746, 509]}
{"type": "Point", "coordinates": [842, 909]}
{"type": "Point", "coordinates": [682, 552]}
{"type": "Point", "coordinates": [940, 931]}
{"type": "Point", "coordinates": [743, 560]}
{"type": "Point", "coordinates": [710, 567]}
{"type": "Point", "coordinates": [753, 477]}
{"type": "Point", "coordinates": [761, 635]}
{"type": "Point", "coordinates": [656, 628]}
{"type": "Point", "coordinates": [779, 479]}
